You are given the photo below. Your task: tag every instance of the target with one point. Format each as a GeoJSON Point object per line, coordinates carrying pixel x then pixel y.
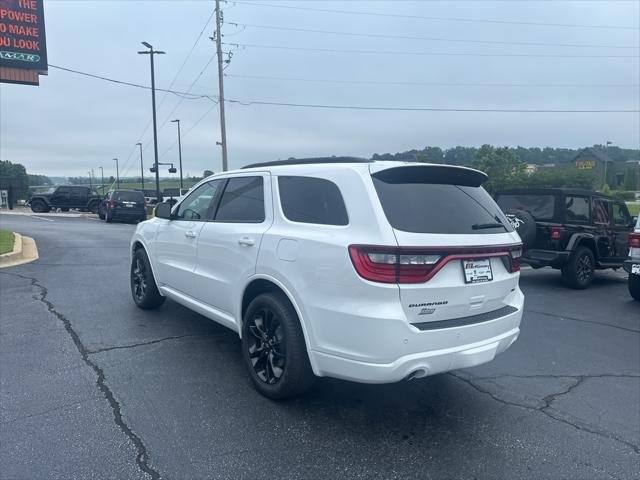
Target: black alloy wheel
{"type": "Point", "coordinates": [267, 349]}
{"type": "Point", "coordinates": [580, 270]}
{"type": "Point", "coordinates": [143, 286]}
{"type": "Point", "coordinates": [274, 349]}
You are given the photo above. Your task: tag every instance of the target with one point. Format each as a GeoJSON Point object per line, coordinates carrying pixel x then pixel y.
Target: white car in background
{"type": "Point", "coordinates": [366, 271]}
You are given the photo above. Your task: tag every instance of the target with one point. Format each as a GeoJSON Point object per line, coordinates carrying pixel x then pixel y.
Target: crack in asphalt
{"type": "Point", "coordinates": [151, 342]}
{"type": "Point", "coordinates": [548, 400]}
{"type": "Point", "coordinates": [574, 319]}
{"type": "Point", "coordinates": [142, 457]}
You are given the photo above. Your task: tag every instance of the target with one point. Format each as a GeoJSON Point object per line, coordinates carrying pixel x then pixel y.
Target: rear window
{"type": "Point", "coordinates": [312, 200]}
{"type": "Point", "coordinates": [541, 207]}
{"type": "Point", "coordinates": [127, 197]}
{"type": "Point", "coordinates": [418, 206]}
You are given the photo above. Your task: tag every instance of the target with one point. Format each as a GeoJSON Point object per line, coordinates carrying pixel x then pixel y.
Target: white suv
{"type": "Point", "coordinates": [367, 271]}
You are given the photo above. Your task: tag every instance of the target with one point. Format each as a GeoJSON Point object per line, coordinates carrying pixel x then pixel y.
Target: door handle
{"type": "Point", "coordinates": [189, 234]}
{"type": "Point", "coordinates": [246, 241]}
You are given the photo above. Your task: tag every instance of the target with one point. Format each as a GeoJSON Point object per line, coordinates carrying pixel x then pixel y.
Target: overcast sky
{"type": "Point", "coordinates": [70, 123]}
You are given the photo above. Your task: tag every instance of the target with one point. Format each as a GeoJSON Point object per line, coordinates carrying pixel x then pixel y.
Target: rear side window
{"type": "Point", "coordinates": [600, 211]}
{"type": "Point", "coordinates": [621, 215]}
{"type": "Point", "coordinates": [128, 197]}
{"type": "Point", "coordinates": [242, 201]}
{"type": "Point", "coordinates": [541, 207]}
{"type": "Point", "coordinates": [577, 208]}
{"type": "Point", "coordinates": [312, 200]}
{"type": "Point", "coordinates": [419, 207]}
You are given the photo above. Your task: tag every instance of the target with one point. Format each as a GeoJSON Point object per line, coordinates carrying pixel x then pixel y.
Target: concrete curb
{"type": "Point", "coordinates": [24, 251]}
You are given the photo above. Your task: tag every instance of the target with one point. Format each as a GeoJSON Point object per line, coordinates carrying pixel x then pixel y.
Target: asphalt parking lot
{"type": "Point", "coordinates": [92, 387]}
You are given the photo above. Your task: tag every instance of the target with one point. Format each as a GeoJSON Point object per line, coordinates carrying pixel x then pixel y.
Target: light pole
{"type": "Point", "coordinates": [117, 173]}
{"type": "Point", "coordinates": [102, 178]}
{"type": "Point", "coordinates": [606, 160]}
{"type": "Point", "coordinates": [151, 53]}
{"type": "Point", "coordinates": [90, 181]}
{"type": "Point", "coordinates": [141, 166]}
{"type": "Point", "coordinates": [179, 151]}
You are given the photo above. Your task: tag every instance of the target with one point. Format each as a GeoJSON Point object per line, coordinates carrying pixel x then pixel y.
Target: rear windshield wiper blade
{"type": "Point", "coordinates": [484, 226]}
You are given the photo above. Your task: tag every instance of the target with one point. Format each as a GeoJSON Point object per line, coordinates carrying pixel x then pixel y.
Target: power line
{"type": "Point", "coordinates": [184, 135]}
{"type": "Point", "coordinates": [423, 54]}
{"type": "Point", "coordinates": [435, 84]}
{"type": "Point", "coordinates": [436, 39]}
{"type": "Point", "coordinates": [444, 19]}
{"type": "Point", "coordinates": [427, 109]}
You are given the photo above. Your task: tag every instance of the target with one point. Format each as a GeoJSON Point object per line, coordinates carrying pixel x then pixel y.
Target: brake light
{"type": "Point", "coordinates": [516, 255]}
{"type": "Point", "coordinates": [144, 205]}
{"type": "Point", "coordinates": [556, 233]}
{"type": "Point", "coordinates": [112, 204]}
{"type": "Point", "coordinates": [392, 265]}
{"type": "Point", "coordinates": [634, 240]}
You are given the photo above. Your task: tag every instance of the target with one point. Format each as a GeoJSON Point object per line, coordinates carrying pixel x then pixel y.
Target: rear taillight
{"type": "Point", "coordinates": [392, 265]}
{"type": "Point", "coordinates": [112, 204]}
{"type": "Point", "coordinates": [556, 233]}
{"type": "Point", "coordinates": [634, 240]}
{"type": "Point", "coordinates": [144, 206]}
{"type": "Point", "coordinates": [516, 255]}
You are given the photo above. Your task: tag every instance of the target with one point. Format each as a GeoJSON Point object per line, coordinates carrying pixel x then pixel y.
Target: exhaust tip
{"type": "Point", "coordinates": [419, 373]}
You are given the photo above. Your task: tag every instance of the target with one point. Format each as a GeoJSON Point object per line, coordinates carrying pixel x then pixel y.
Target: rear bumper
{"type": "Point", "coordinates": [428, 352]}
{"type": "Point", "coordinates": [546, 258]}
{"type": "Point", "coordinates": [122, 213]}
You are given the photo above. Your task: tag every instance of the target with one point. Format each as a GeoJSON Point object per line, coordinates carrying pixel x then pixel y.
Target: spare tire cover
{"type": "Point", "coordinates": [524, 224]}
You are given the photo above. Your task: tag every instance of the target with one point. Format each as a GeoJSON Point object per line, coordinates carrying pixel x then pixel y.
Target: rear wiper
{"type": "Point", "coordinates": [483, 226]}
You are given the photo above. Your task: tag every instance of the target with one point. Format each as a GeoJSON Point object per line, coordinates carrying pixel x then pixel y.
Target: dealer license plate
{"type": "Point", "coordinates": [635, 268]}
{"type": "Point", "coordinates": [477, 271]}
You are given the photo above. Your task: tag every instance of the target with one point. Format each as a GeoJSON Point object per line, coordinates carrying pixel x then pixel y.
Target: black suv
{"type": "Point", "coordinates": [576, 231]}
{"type": "Point", "coordinates": [123, 205]}
{"type": "Point", "coordinates": [65, 197]}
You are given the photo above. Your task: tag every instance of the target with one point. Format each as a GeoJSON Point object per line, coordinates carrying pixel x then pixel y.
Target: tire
{"type": "Point", "coordinates": [578, 272]}
{"type": "Point", "coordinates": [634, 286]}
{"type": "Point", "coordinates": [271, 320]}
{"type": "Point", "coordinates": [525, 225]}
{"type": "Point", "coordinates": [38, 206]}
{"type": "Point", "coordinates": [93, 207]}
{"type": "Point", "coordinates": [143, 286]}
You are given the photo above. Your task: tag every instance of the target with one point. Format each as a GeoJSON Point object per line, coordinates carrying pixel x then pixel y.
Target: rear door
{"type": "Point", "coordinates": [452, 231]}
{"type": "Point", "coordinates": [177, 239]}
{"type": "Point", "coordinates": [622, 228]}
{"type": "Point", "coordinates": [129, 202]}
{"type": "Point", "coordinates": [228, 247]}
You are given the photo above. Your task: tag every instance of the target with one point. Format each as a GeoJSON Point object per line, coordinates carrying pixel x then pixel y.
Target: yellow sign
{"type": "Point", "coordinates": [585, 165]}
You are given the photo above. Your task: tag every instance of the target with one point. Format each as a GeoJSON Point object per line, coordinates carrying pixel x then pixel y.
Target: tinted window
{"type": "Point", "coordinates": [577, 208]}
{"type": "Point", "coordinates": [541, 207]}
{"type": "Point", "coordinates": [621, 214]}
{"type": "Point", "coordinates": [312, 200]}
{"type": "Point", "coordinates": [439, 208]}
{"type": "Point", "coordinates": [124, 196]}
{"type": "Point", "coordinates": [63, 190]}
{"type": "Point", "coordinates": [242, 201]}
{"type": "Point", "coordinates": [600, 211]}
{"type": "Point", "coordinates": [197, 205]}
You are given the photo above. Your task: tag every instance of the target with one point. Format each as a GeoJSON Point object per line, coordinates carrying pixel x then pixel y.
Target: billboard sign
{"type": "Point", "coordinates": [22, 36]}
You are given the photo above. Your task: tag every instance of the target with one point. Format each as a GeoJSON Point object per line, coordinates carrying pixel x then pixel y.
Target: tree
{"type": "Point", "coordinates": [38, 180]}
{"type": "Point", "coordinates": [16, 176]}
{"type": "Point", "coordinates": [502, 166]}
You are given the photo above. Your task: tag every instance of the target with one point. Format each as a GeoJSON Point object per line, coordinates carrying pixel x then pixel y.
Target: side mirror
{"type": "Point", "coordinates": [163, 210]}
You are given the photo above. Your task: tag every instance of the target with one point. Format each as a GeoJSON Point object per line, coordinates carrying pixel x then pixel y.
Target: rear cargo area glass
{"type": "Point", "coordinates": [128, 197]}
{"type": "Point", "coordinates": [418, 207]}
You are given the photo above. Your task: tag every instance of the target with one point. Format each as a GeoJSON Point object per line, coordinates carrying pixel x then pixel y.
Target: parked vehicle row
{"type": "Point", "coordinates": [123, 205]}
{"type": "Point", "coordinates": [366, 271]}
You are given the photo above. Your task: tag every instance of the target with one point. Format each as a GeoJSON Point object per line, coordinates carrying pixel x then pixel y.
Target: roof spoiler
{"type": "Point", "coordinates": [427, 173]}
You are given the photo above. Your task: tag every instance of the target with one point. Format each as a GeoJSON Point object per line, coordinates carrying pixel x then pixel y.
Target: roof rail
{"type": "Point", "coordinates": [309, 161]}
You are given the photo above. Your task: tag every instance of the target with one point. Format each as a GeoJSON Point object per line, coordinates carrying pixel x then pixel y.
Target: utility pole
{"type": "Point", "coordinates": [117, 173]}
{"type": "Point", "coordinates": [141, 166]}
{"type": "Point", "coordinates": [90, 181]}
{"type": "Point", "coordinates": [179, 151]}
{"type": "Point", "coordinates": [102, 179]}
{"type": "Point", "coordinates": [151, 53]}
{"type": "Point", "coordinates": [223, 126]}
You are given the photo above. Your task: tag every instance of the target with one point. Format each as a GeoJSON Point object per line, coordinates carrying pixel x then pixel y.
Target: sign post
{"type": "Point", "coordinates": [23, 49]}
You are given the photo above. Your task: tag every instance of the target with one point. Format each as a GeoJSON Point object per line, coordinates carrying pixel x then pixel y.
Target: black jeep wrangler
{"type": "Point", "coordinates": [65, 197]}
{"type": "Point", "coordinates": [576, 231]}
